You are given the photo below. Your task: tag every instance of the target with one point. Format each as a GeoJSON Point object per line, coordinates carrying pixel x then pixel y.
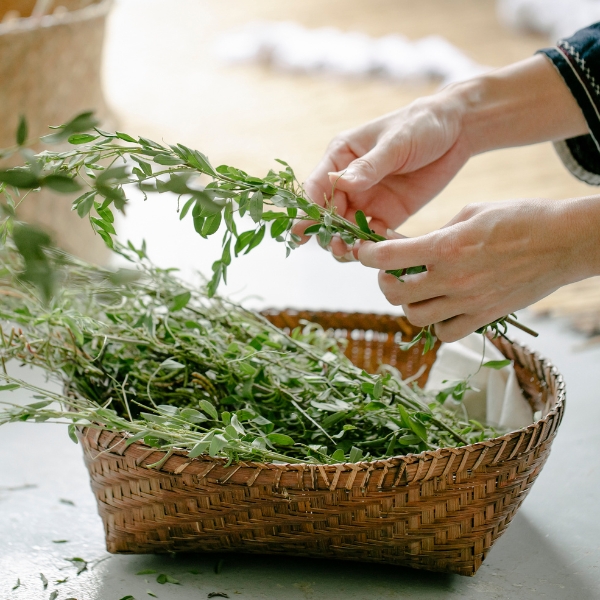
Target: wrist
{"type": "Point", "coordinates": [524, 103]}
{"type": "Point", "coordinates": [578, 223]}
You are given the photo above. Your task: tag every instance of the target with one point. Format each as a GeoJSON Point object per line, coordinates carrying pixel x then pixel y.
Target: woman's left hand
{"type": "Point", "coordinates": [489, 261]}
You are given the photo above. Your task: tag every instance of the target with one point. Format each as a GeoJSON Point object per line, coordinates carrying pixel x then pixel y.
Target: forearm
{"type": "Point", "coordinates": [524, 103]}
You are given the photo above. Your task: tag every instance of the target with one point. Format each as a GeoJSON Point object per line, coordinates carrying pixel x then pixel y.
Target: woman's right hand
{"type": "Point", "coordinates": [392, 166]}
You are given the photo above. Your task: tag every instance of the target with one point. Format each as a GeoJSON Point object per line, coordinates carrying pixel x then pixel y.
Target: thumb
{"type": "Point", "coordinates": [368, 170]}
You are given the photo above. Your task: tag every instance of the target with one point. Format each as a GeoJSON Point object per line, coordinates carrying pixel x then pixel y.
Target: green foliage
{"type": "Point", "coordinates": [22, 131]}
{"type": "Point", "coordinates": [107, 164]}
{"type": "Point", "coordinates": [160, 361]}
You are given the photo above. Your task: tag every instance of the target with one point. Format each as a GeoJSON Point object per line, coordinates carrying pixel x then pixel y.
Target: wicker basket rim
{"type": "Point", "coordinates": [85, 13]}
{"type": "Point", "coordinates": [393, 460]}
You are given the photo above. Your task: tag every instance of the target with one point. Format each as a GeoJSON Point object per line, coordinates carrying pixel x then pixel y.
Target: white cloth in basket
{"type": "Point", "coordinates": [497, 398]}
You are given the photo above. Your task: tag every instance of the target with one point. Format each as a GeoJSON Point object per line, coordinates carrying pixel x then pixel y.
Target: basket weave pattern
{"type": "Point", "coordinates": [439, 510]}
{"type": "Point", "coordinates": [50, 70]}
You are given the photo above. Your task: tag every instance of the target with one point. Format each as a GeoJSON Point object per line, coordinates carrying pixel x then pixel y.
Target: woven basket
{"type": "Point", "coordinates": [50, 70]}
{"type": "Point", "coordinates": [439, 510]}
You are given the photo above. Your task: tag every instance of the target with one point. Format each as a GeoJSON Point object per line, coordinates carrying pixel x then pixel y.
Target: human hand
{"type": "Point", "coordinates": [489, 261]}
{"type": "Point", "coordinates": [392, 166]}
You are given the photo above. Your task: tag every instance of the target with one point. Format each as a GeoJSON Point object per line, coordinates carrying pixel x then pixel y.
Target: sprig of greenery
{"type": "Point", "coordinates": [104, 165]}
{"type": "Point", "coordinates": [143, 353]}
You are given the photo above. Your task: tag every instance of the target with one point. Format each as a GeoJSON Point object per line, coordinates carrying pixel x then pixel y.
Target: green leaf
{"type": "Point", "coordinates": [81, 138]}
{"type": "Point", "coordinates": [211, 225]}
{"type": "Point", "coordinates": [114, 175]}
{"type": "Point", "coordinates": [413, 424]}
{"type": "Point", "coordinates": [324, 236]}
{"type": "Point", "coordinates": [338, 456]}
{"type": "Point", "coordinates": [198, 449]}
{"type": "Point", "coordinates": [146, 167]}
{"type": "Point", "coordinates": [378, 389]}
{"type": "Point", "coordinates": [367, 387]}
{"type": "Point", "coordinates": [60, 183]}
{"type": "Point", "coordinates": [217, 444]}
{"type": "Point", "coordinates": [198, 223]}
{"type": "Point", "coordinates": [205, 205]}
{"type": "Point", "coordinates": [192, 415]}
{"type": "Point", "coordinates": [22, 131]}
{"type": "Point", "coordinates": [138, 436]}
{"type": "Point", "coordinates": [105, 213]}
{"type": "Point", "coordinates": [73, 433]}
{"type": "Point", "coordinates": [209, 409]}
{"type": "Point", "coordinates": [355, 454]}
{"type": "Point", "coordinates": [162, 579]}
{"type": "Point", "coordinates": [312, 229]}
{"type": "Point", "coordinates": [19, 178]}
{"type": "Point", "coordinates": [82, 122]}
{"type": "Point", "coordinates": [84, 203]}
{"type": "Point", "coordinates": [362, 222]}
{"type": "Point", "coordinates": [279, 226]}
{"type": "Point", "coordinates": [39, 405]}
{"type": "Point", "coordinates": [106, 237]}
{"type": "Point", "coordinates": [280, 439]}
{"type": "Point", "coordinates": [313, 212]}
{"type": "Point", "coordinates": [104, 225]}
{"type": "Point", "coordinates": [200, 161]}
{"type": "Point", "coordinates": [256, 206]}
{"type": "Point", "coordinates": [125, 137]}
{"type": "Point", "coordinates": [171, 363]}
{"type": "Point", "coordinates": [243, 240]}
{"type": "Point", "coordinates": [375, 406]}
{"type": "Point", "coordinates": [167, 159]}
{"type": "Point", "coordinates": [257, 238]}
{"type": "Point", "coordinates": [180, 301]}
{"type": "Point", "coordinates": [186, 208]}
{"type": "Point", "coordinates": [129, 596]}
{"type": "Point", "coordinates": [9, 387]}
{"type": "Point", "coordinates": [497, 364]}
{"type": "Point", "coordinates": [226, 257]}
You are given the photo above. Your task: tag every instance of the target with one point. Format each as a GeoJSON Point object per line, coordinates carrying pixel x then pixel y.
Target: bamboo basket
{"type": "Point", "coordinates": [50, 70]}
{"type": "Point", "coordinates": [439, 510]}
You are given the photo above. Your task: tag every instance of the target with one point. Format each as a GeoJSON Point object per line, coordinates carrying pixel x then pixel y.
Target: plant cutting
{"type": "Point", "coordinates": [105, 165]}
{"type": "Point", "coordinates": [143, 353]}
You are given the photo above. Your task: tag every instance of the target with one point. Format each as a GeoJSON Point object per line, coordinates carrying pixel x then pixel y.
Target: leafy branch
{"type": "Point", "coordinates": [145, 354]}
{"type": "Point", "coordinates": [105, 165]}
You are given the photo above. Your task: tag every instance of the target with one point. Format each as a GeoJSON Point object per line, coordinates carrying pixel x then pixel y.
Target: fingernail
{"type": "Point", "coordinates": [348, 174]}
{"type": "Point", "coordinates": [394, 235]}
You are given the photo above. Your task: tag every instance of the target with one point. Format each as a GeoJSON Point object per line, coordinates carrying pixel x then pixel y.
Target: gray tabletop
{"type": "Point", "coordinates": [551, 550]}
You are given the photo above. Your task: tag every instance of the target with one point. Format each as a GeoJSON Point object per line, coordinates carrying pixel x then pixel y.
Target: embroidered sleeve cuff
{"type": "Point", "coordinates": [581, 155]}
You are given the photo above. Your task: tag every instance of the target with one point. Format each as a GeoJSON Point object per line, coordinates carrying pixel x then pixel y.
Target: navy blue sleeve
{"type": "Point", "coordinates": [577, 59]}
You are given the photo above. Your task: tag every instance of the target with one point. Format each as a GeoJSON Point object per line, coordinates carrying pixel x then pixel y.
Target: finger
{"type": "Point", "coordinates": [299, 227]}
{"type": "Point", "coordinates": [399, 254]}
{"type": "Point", "coordinates": [434, 310]}
{"type": "Point", "coordinates": [460, 326]}
{"type": "Point", "coordinates": [340, 249]}
{"type": "Point", "coordinates": [364, 172]}
{"type": "Point", "coordinates": [390, 234]}
{"type": "Point", "coordinates": [413, 288]}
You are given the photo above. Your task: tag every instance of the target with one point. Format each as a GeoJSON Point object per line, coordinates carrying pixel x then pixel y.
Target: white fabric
{"type": "Point", "coordinates": [292, 47]}
{"type": "Point", "coordinates": [557, 18]}
{"type": "Point", "coordinates": [497, 398]}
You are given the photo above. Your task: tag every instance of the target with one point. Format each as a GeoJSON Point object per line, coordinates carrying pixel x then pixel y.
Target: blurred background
{"type": "Point", "coordinates": [248, 82]}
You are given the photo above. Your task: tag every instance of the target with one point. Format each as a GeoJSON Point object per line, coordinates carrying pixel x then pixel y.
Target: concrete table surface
{"type": "Point", "coordinates": [551, 550]}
